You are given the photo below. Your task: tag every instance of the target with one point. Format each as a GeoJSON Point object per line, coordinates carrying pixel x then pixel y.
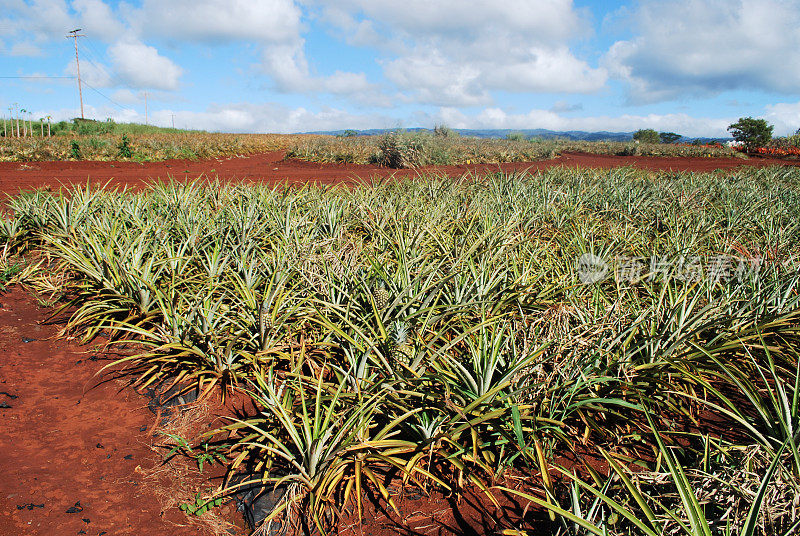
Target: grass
{"type": "Point", "coordinates": [8, 273]}
{"type": "Point", "coordinates": [437, 333]}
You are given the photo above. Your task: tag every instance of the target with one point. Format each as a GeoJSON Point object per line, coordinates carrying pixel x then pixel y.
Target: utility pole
{"type": "Point", "coordinates": [173, 121]}
{"type": "Point", "coordinates": [75, 35]}
{"type": "Point", "coordinates": [145, 108]}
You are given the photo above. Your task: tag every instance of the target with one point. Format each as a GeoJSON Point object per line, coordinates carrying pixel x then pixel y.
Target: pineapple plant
{"type": "Point", "coordinates": [399, 349]}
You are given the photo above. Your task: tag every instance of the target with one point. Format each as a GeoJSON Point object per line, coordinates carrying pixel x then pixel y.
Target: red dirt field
{"type": "Point", "coordinates": [75, 446]}
{"type": "Point", "coordinates": [273, 168]}
{"type": "Point", "coordinates": [68, 436]}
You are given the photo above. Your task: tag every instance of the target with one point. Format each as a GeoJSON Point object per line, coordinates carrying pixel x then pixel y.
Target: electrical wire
{"type": "Point", "coordinates": [95, 59]}
{"type": "Point", "coordinates": [72, 77]}
{"type": "Point", "coordinates": [118, 105]}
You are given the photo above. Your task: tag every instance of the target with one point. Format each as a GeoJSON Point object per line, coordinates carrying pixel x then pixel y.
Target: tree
{"type": "Point", "coordinates": [669, 137]}
{"type": "Point", "coordinates": [646, 135]}
{"type": "Point", "coordinates": [751, 132]}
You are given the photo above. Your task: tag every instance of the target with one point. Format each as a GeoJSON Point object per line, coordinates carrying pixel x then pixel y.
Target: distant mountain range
{"type": "Point", "coordinates": [574, 135]}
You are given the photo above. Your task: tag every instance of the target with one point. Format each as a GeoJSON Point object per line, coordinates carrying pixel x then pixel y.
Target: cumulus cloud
{"type": "Point", "coordinates": [27, 25]}
{"type": "Point", "coordinates": [94, 74]}
{"type": "Point", "coordinates": [277, 118]}
{"type": "Point", "coordinates": [98, 20]}
{"type": "Point", "coordinates": [246, 117]}
{"type": "Point", "coordinates": [705, 47]}
{"type": "Point", "coordinates": [497, 118]}
{"type": "Point", "coordinates": [126, 96]}
{"type": "Point", "coordinates": [785, 116]}
{"type": "Point", "coordinates": [547, 20]}
{"type": "Point", "coordinates": [290, 72]}
{"type": "Point", "coordinates": [267, 21]}
{"type": "Point", "coordinates": [241, 117]}
{"type": "Point", "coordinates": [141, 66]}
{"type": "Point", "coordinates": [457, 52]}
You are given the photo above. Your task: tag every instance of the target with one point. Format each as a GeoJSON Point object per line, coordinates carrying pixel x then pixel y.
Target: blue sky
{"type": "Point", "coordinates": [691, 67]}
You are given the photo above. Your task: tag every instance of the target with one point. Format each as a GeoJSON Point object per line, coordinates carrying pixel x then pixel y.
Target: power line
{"type": "Point", "coordinates": [70, 77]}
{"type": "Point", "coordinates": [95, 58]}
{"type": "Point", "coordinates": [121, 107]}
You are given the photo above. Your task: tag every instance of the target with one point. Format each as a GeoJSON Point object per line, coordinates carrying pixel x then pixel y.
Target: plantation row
{"type": "Point", "coordinates": [453, 333]}
{"type": "Point", "coordinates": [139, 147]}
{"type": "Point", "coordinates": [415, 149]}
{"type": "Point", "coordinates": [394, 150]}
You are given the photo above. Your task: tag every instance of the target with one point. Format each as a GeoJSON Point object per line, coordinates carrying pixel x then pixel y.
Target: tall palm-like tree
{"type": "Point", "coordinates": [14, 108]}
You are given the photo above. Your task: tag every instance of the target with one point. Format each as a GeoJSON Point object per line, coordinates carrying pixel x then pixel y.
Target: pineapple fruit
{"type": "Point", "coordinates": [399, 350]}
{"type": "Point", "coordinates": [264, 320]}
{"type": "Point", "coordinates": [381, 297]}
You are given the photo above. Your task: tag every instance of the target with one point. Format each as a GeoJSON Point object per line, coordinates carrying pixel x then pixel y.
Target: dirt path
{"type": "Point", "coordinates": [273, 168]}
{"type": "Point", "coordinates": [73, 446]}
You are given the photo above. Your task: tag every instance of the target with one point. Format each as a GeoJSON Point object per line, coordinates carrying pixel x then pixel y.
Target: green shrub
{"type": "Point", "coordinates": [75, 150]}
{"type": "Point", "coordinates": [124, 147]}
{"type": "Point", "coordinates": [402, 150]}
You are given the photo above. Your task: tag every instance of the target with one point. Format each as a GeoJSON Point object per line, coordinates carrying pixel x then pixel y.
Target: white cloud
{"type": "Point", "coordinates": [141, 66]}
{"type": "Point", "coordinates": [260, 118]}
{"type": "Point", "coordinates": [126, 96]}
{"type": "Point", "coordinates": [457, 53]}
{"type": "Point", "coordinates": [289, 70]}
{"type": "Point", "coordinates": [25, 49]}
{"type": "Point", "coordinates": [246, 117]}
{"type": "Point", "coordinates": [268, 21]}
{"type": "Point", "coordinates": [34, 23]}
{"type": "Point", "coordinates": [785, 116]}
{"type": "Point", "coordinates": [546, 20]}
{"type": "Point", "coordinates": [276, 118]}
{"type": "Point", "coordinates": [94, 74]}
{"type": "Point", "coordinates": [97, 20]}
{"type": "Point", "coordinates": [548, 119]}
{"type": "Point", "coordinates": [705, 47]}
{"type": "Point", "coordinates": [435, 79]}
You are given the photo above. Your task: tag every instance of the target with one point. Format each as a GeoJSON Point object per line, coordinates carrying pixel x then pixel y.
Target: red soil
{"type": "Point", "coordinates": [272, 168]}
{"type": "Point", "coordinates": [70, 436]}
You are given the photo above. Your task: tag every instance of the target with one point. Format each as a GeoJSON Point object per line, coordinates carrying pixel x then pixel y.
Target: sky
{"type": "Point", "coordinates": [691, 67]}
